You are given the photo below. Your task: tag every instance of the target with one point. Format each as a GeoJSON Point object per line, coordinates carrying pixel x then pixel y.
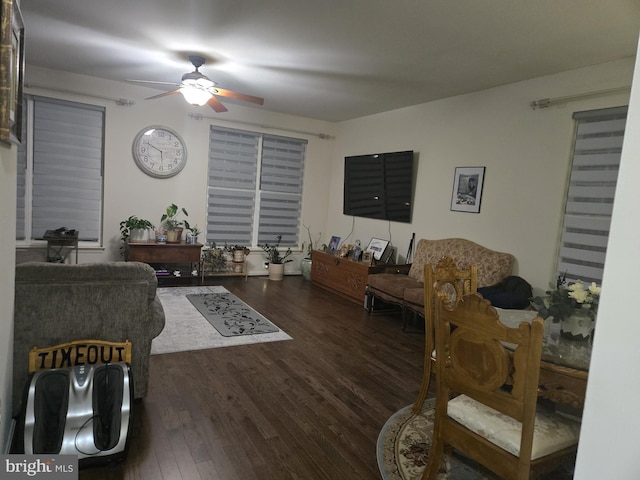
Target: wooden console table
{"type": "Point", "coordinates": [344, 276]}
{"type": "Point", "coordinates": [152, 252]}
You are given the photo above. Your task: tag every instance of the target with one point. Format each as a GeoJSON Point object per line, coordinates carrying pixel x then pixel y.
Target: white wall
{"type": "Point", "coordinates": [7, 260]}
{"type": "Point", "coordinates": [610, 417]}
{"type": "Point", "coordinates": [526, 154]}
{"type": "Point", "coordinates": [128, 191]}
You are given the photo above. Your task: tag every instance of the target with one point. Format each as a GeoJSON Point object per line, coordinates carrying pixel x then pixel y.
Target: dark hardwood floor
{"type": "Point", "coordinates": [307, 408]}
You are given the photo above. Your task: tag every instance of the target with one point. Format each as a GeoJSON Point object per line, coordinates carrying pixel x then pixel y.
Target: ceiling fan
{"type": "Point", "coordinates": [198, 90]}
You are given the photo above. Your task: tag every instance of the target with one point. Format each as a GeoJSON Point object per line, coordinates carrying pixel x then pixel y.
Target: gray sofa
{"type": "Point", "coordinates": [58, 303]}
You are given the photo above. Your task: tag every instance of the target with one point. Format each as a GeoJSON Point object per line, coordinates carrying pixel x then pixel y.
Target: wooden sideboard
{"type": "Point", "coordinates": [344, 276]}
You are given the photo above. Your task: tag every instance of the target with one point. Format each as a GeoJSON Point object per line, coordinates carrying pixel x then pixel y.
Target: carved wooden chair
{"type": "Point", "coordinates": [486, 400]}
{"type": "Point", "coordinates": [445, 277]}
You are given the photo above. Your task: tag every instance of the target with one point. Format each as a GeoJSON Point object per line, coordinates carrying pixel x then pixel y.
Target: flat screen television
{"type": "Point", "coordinates": [379, 186]}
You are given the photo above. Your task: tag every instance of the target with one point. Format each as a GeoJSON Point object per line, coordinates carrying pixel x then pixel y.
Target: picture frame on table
{"type": "Point", "coordinates": [376, 247]}
{"type": "Point", "coordinates": [12, 70]}
{"type": "Point", "coordinates": [333, 244]}
{"type": "Point", "coordinates": [467, 189]}
{"type": "Point", "coordinates": [367, 257]}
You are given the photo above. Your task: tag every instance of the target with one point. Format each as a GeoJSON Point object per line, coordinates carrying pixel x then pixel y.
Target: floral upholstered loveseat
{"type": "Point", "coordinates": [407, 290]}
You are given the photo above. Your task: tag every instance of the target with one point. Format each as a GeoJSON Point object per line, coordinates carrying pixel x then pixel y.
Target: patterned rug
{"type": "Point", "coordinates": [230, 315]}
{"type": "Point", "coordinates": [403, 450]}
{"type": "Point", "coordinates": [187, 330]}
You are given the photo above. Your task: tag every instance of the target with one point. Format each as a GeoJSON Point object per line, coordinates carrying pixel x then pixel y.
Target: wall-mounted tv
{"type": "Point", "coordinates": [379, 186]}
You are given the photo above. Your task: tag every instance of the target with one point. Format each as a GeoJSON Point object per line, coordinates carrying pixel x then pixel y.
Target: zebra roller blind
{"type": "Point", "coordinates": [592, 187]}
{"type": "Point", "coordinates": [255, 187]}
{"type": "Point", "coordinates": [60, 174]}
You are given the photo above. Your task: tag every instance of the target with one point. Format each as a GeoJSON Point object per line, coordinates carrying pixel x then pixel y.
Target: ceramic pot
{"type": "Point", "coordinates": [579, 325]}
{"type": "Point", "coordinates": [276, 271]}
{"type": "Point", "coordinates": [305, 268]}
{"type": "Point", "coordinates": [174, 236]}
{"type": "Point", "coordinates": [138, 235]}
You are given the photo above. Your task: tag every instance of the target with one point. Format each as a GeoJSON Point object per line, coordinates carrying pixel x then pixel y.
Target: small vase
{"type": "Point", "coordinates": [579, 325]}
{"type": "Point", "coordinates": [305, 268]}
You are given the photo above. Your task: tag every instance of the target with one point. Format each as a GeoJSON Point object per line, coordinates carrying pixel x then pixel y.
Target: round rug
{"type": "Point", "coordinates": [403, 449]}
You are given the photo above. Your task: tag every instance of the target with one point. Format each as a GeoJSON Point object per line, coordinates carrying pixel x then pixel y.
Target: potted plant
{"type": "Point", "coordinates": [172, 225]}
{"type": "Point", "coordinates": [193, 232]}
{"type": "Point", "coordinates": [238, 252]}
{"type": "Point", "coordinates": [305, 263]}
{"type": "Point", "coordinates": [135, 229]}
{"type": "Point", "coordinates": [213, 258]}
{"type": "Point", "coordinates": [276, 259]}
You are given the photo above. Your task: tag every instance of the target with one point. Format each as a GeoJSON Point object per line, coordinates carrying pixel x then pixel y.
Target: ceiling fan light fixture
{"type": "Point", "coordinates": [195, 95]}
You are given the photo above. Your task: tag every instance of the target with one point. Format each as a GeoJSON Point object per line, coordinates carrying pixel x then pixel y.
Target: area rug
{"type": "Point", "coordinates": [186, 329]}
{"type": "Point", "coordinates": [230, 315]}
{"type": "Point", "coordinates": [403, 451]}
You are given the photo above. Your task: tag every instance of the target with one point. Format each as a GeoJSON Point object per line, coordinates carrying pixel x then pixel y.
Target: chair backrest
{"type": "Point", "coordinates": [448, 279]}
{"type": "Point", "coordinates": [474, 361]}
{"type": "Point", "coordinates": [450, 283]}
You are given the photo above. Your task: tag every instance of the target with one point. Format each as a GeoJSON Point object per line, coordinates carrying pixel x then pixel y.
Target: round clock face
{"type": "Point", "coordinates": [159, 151]}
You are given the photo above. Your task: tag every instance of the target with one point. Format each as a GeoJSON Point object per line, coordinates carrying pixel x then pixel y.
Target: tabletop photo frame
{"type": "Point", "coordinates": [467, 189]}
{"type": "Point", "coordinates": [376, 247]}
{"type": "Point", "coordinates": [333, 244]}
{"type": "Point", "coordinates": [12, 68]}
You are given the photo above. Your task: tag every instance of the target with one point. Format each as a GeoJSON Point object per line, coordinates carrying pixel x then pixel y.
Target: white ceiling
{"type": "Point", "coordinates": [334, 59]}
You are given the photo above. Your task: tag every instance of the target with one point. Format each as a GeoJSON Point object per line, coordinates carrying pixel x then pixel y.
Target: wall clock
{"type": "Point", "coordinates": [159, 151]}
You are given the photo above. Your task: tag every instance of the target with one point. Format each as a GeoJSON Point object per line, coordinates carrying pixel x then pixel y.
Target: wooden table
{"type": "Point", "coordinates": [60, 244]}
{"type": "Point", "coordinates": [565, 363]}
{"type": "Point", "coordinates": [152, 252]}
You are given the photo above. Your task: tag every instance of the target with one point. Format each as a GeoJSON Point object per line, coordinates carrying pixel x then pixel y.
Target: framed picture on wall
{"type": "Point", "coordinates": [12, 72]}
{"type": "Point", "coordinates": [467, 189]}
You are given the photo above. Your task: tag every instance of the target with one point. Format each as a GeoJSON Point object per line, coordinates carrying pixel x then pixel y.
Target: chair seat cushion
{"type": "Point", "coordinates": [552, 432]}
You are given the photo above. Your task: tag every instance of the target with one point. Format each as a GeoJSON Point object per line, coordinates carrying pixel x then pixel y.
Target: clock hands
{"type": "Point", "coordinates": [161, 157]}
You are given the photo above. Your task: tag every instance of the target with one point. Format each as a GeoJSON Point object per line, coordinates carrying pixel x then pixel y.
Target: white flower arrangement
{"type": "Point", "coordinates": [590, 295]}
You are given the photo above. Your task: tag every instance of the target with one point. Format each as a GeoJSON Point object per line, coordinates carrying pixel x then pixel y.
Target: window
{"type": "Point", "coordinates": [255, 187]}
{"type": "Point", "coordinates": [60, 170]}
{"type": "Point", "coordinates": [592, 186]}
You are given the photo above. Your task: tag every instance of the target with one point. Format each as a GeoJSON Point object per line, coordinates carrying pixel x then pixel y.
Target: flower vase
{"type": "Point", "coordinates": [579, 325]}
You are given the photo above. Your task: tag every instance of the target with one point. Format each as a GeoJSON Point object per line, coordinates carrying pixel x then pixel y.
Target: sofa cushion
{"type": "Point", "coordinates": [392, 283]}
{"type": "Point", "coordinates": [415, 297]}
{"type": "Point", "coordinates": [492, 266]}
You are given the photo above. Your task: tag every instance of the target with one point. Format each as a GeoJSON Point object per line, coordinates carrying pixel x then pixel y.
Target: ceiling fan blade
{"type": "Point", "coordinates": [217, 106]}
{"type": "Point", "coordinates": [171, 92]}
{"type": "Point", "coordinates": [239, 96]}
{"type": "Point", "coordinates": [154, 82]}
